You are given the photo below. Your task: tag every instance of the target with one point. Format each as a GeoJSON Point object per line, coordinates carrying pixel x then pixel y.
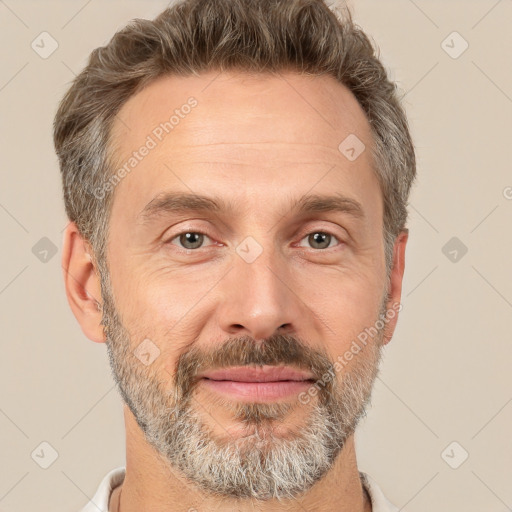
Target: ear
{"type": "Point", "coordinates": [395, 284]}
{"type": "Point", "coordinates": [82, 283]}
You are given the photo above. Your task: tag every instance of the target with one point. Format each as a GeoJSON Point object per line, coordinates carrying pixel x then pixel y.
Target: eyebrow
{"type": "Point", "coordinates": [178, 202]}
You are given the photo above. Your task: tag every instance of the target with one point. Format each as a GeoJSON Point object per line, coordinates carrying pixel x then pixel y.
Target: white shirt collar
{"type": "Point", "coordinates": [100, 501]}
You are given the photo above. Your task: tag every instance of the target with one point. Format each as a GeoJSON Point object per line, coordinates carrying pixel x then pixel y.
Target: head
{"type": "Point", "coordinates": [202, 153]}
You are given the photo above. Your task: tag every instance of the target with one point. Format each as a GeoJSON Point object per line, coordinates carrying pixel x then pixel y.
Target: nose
{"type": "Point", "coordinates": [258, 299]}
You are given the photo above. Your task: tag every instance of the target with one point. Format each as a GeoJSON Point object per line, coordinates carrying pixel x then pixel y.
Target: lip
{"type": "Point", "coordinates": [258, 374]}
{"type": "Point", "coordinates": [261, 384]}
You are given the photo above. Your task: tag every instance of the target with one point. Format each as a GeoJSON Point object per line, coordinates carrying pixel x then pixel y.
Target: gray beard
{"type": "Point", "coordinates": [260, 464]}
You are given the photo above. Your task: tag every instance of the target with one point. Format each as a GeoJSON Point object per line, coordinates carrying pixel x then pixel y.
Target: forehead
{"type": "Point", "coordinates": [324, 109]}
{"type": "Point", "coordinates": [240, 133]}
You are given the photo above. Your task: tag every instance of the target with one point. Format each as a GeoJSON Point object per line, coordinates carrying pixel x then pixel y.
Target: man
{"type": "Point", "coordinates": [236, 175]}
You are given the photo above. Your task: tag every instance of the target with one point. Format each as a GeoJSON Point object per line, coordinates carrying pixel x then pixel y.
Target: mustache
{"type": "Point", "coordinates": [277, 350]}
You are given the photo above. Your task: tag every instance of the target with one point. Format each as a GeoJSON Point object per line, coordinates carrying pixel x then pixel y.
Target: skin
{"type": "Point", "coordinates": [259, 141]}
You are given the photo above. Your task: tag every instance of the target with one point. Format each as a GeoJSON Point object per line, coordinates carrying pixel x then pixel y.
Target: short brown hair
{"type": "Point", "coordinates": [193, 36]}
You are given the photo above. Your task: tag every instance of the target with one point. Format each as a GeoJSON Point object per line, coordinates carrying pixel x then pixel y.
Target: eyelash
{"type": "Point", "coordinates": [188, 251]}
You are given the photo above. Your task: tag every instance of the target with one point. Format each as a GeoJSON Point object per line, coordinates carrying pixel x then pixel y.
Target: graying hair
{"type": "Point", "coordinates": [257, 36]}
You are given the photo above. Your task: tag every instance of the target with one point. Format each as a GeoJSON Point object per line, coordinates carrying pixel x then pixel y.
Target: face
{"type": "Point", "coordinates": [244, 247]}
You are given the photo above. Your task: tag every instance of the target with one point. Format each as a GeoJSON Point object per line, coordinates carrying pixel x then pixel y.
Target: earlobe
{"type": "Point", "coordinates": [82, 283]}
{"type": "Point", "coordinates": [395, 283]}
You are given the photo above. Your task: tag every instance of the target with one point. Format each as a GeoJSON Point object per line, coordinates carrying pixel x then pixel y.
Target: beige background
{"type": "Point", "coordinates": [446, 375]}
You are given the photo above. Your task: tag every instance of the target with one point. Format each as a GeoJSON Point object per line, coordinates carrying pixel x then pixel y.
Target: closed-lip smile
{"type": "Point", "coordinates": [257, 383]}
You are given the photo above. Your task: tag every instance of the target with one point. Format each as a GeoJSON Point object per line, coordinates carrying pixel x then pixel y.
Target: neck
{"type": "Point", "coordinates": [150, 484]}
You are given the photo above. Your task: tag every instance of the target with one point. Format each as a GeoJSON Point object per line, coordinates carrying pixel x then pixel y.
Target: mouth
{"type": "Point", "coordinates": [262, 384]}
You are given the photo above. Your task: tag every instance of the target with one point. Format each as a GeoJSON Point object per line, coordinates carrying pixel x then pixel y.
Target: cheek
{"type": "Point", "coordinates": [164, 308]}
{"type": "Point", "coordinates": [346, 303]}
{"type": "Point", "coordinates": [152, 294]}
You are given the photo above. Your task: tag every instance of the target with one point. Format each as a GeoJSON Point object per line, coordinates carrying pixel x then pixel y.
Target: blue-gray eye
{"type": "Point", "coordinates": [320, 240]}
{"type": "Point", "coordinates": [190, 239]}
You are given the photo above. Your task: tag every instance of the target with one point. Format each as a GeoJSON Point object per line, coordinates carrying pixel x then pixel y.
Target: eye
{"type": "Point", "coordinates": [190, 240]}
{"type": "Point", "coordinates": [320, 240]}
